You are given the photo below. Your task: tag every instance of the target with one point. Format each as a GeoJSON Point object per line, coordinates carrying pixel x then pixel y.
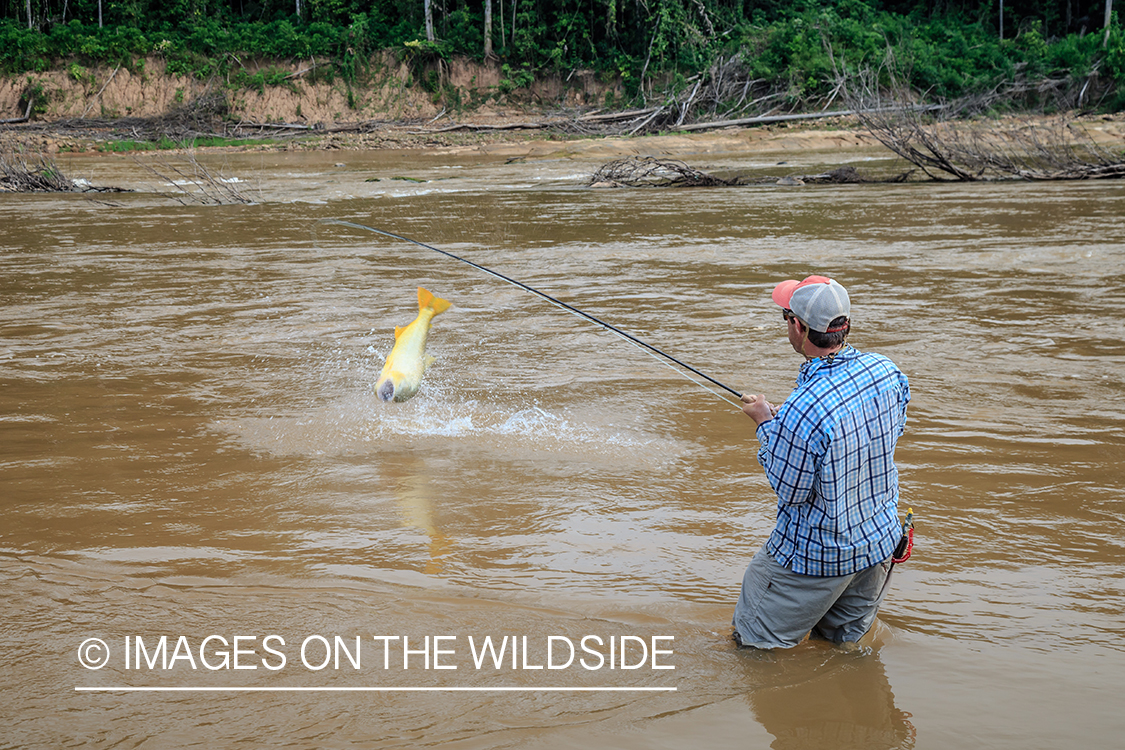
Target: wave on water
{"type": "Point", "coordinates": [360, 424]}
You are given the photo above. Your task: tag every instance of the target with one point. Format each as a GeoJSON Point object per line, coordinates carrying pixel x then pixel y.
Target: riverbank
{"type": "Point", "coordinates": [82, 109]}
{"type": "Point", "coordinates": [517, 134]}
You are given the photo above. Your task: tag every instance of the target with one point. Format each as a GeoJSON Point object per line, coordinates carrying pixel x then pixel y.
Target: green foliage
{"type": "Point", "coordinates": [36, 95]}
{"type": "Point", "coordinates": [801, 46]}
{"type": "Point", "coordinates": [269, 76]}
{"type": "Point", "coordinates": [465, 36]}
{"type": "Point", "coordinates": [165, 144]}
{"type": "Point", "coordinates": [511, 80]}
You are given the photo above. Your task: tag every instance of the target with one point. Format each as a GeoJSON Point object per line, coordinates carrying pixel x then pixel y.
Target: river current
{"type": "Point", "coordinates": [195, 471]}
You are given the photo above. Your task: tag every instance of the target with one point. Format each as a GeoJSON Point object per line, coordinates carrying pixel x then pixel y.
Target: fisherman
{"type": "Point", "coordinates": [828, 452]}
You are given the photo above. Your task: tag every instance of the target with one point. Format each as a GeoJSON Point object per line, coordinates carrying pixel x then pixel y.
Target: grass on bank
{"type": "Point", "coordinates": [169, 144]}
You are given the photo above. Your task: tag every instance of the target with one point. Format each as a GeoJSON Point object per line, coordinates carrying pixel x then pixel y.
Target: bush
{"type": "Point", "coordinates": [798, 45]}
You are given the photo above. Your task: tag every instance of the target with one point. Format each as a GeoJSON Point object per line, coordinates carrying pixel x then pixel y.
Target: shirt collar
{"type": "Point", "coordinates": [814, 366]}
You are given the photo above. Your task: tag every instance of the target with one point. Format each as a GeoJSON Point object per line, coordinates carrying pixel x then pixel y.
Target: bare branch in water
{"type": "Point", "coordinates": [39, 175]}
{"type": "Point", "coordinates": [192, 183]}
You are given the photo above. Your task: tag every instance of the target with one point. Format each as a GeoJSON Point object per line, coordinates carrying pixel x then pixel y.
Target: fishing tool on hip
{"type": "Point", "coordinates": [644, 346]}
{"type": "Point", "coordinates": [906, 543]}
{"type": "Point", "coordinates": [902, 549]}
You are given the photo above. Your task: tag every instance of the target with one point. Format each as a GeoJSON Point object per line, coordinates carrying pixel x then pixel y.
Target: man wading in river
{"type": "Point", "coordinates": [828, 452]}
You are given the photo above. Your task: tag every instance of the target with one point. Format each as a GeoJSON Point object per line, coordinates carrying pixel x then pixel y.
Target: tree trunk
{"type": "Point", "coordinates": [1108, 14]}
{"type": "Point", "coordinates": [429, 7]}
{"type": "Point", "coordinates": [1001, 19]}
{"type": "Point", "coordinates": [488, 28]}
{"type": "Point", "coordinates": [29, 14]}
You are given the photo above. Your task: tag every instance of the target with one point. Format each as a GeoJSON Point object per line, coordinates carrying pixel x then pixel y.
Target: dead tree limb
{"type": "Point", "coordinates": [40, 175]}
{"type": "Point", "coordinates": [26, 115]}
{"type": "Point", "coordinates": [649, 171]}
{"type": "Point", "coordinates": [193, 183]}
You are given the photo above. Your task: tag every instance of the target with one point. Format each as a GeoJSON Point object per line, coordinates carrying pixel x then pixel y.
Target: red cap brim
{"type": "Point", "coordinates": [783, 292]}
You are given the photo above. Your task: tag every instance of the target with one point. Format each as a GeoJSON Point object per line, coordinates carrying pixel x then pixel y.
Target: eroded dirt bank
{"type": "Point", "coordinates": [81, 108]}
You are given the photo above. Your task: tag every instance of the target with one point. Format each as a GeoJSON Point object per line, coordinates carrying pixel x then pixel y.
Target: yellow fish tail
{"type": "Point", "coordinates": [426, 299]}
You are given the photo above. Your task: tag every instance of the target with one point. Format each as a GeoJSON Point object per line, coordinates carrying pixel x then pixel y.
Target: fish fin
{"type": "Point", "coordinates": [398, 331]}
{"type": "Point", "coordinates": [428, 360]}
{"type": "Point", "coordinates": [427, 299]}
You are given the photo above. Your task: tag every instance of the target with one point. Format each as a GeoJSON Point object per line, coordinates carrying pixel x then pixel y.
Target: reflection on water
{"type": "Point", "coordinates": [415, 496]}
{"type": "Point", "coordinates": [821, 697]}
{"type": "Point", "coordinates": [190, 446]}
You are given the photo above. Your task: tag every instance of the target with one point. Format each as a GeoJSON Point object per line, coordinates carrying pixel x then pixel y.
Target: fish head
{"type": "Point", "coordinates": [394, 386]}
{"type": "Point", "coordinates": [385, 389]}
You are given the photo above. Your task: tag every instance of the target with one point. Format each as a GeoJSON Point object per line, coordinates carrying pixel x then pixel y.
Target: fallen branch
{"type": "Point", "coordinates": [274, 126]}
{"type": "Point", "coordinates": [765, 119]}
{"type": "Point", "coordinates": [102, 91]}
{"type": "Point", "coordinates": [615, 116]}
{"type": "Point", "coordinates": [302, 71]}
{"type": "Point", "coordinates": [41, 175]}
{"type": "Point", "coordinates": [26, 116]}
{"type": "Point", "coordinates": [470, 127]}
{"type": "Point", "coordinates": [649, 171]}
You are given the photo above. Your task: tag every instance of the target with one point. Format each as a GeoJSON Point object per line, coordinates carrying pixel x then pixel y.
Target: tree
{"type": "Point", "coordinates": [1108, 17]}
{"type": "Point", "coordinates": [488, 28]}
{"type": "Point", "coordinates": [429, 7]}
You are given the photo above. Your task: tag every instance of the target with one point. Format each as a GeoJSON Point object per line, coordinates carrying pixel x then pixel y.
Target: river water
{"type": "Point", "coordinates": [190, 450]}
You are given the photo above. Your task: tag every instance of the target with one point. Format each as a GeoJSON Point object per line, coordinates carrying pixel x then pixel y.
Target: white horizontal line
{"type": "Point", "coordinates": [133, 689]}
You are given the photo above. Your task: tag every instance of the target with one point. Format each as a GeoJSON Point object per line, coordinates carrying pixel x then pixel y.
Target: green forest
{"type": "Point", "coordinates": [1045, 53]}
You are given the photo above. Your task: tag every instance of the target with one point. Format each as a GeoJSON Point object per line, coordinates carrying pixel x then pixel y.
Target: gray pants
{"type": "Point", "coordinates": [778, 608]}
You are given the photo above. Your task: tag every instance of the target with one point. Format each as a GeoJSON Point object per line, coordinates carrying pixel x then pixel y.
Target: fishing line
{"type": "Point", "coordinates": [649, 349]}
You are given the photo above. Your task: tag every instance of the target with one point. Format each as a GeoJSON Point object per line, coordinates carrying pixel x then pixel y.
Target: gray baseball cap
{"type": "Point", "coordinates": [817, 301]}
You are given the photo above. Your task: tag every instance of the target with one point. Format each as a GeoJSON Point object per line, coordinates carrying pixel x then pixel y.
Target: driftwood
{"type": "Point", "coordinates": [649, 171]}
{"type": "Point", "coordinates": [1036, 148]}
{"type": "Point", "coordinates": [274, 126]}
{"type": "Point", "coordinates": [25, 118]}
{"type": "Point", "coordinates": [40, 174]}
{"type": "Point", "coordinates": [480, 128]}
{"type": "Point", "coordinates": [640, 120]}
{"type": "Point", "coordinates": [766, 119]}
{"type": "Point", "coordinates": [1044, 148]}
{"type": "Point", "coordinates": [596, 116]}
{"type": "Point", "coordinates": [202, 116]}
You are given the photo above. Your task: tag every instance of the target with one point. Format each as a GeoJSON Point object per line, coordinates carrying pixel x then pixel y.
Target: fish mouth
{"type": "Point", "coordinates": [386, 390]}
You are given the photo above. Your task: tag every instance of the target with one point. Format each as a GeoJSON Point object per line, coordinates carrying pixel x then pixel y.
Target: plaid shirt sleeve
{"type": "Point", "coordinates": [829, 456]}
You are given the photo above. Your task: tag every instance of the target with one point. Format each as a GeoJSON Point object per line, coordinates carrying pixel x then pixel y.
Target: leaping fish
{"type": "Point", "coordinates": [402, 373]}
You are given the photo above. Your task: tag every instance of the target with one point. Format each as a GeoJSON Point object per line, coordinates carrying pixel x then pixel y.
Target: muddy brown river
{"type": "Point", "coordinates": [214, 534]}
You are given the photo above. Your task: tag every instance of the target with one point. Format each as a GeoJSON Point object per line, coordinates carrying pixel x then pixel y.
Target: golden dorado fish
{"type": "Point", "coordinates": [402, 373]}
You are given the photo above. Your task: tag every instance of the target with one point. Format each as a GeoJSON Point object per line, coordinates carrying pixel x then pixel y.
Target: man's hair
{"type": "Point", "coordinates": [830, 340]}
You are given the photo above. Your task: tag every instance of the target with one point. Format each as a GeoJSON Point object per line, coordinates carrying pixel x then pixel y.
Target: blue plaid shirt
{"type": "Point", "coordinates": [829, 455]}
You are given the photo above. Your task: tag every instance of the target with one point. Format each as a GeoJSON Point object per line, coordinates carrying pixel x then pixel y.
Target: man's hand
{"type": "Point", "coordinates": [757, 408]}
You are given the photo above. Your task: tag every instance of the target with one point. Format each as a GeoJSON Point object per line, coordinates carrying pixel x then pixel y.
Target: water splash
{"type": "Point", "coordinates": [358, 424]}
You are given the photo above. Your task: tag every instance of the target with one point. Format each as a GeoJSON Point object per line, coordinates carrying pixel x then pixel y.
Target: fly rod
{"type": "Point", "coordinates": [558, 303]}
